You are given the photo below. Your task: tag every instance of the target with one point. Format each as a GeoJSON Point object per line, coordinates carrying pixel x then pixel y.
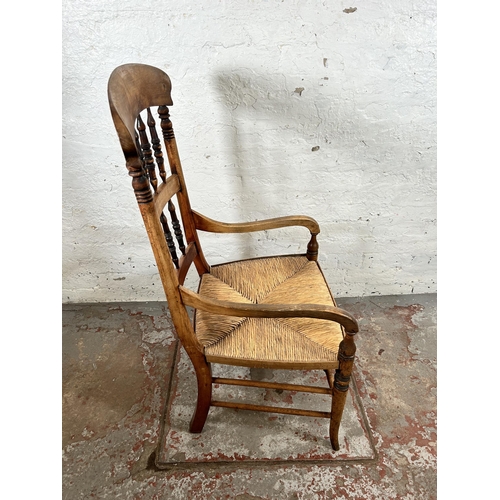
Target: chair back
{"type": "Point", "coordinates": [134, 90]}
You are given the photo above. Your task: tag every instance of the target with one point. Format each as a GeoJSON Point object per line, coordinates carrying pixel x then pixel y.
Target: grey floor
{"type": "Point", "coordinates": [121, 370]}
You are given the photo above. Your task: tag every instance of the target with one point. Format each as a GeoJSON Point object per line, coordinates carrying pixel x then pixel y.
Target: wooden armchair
{"type": "Point", "coordinates": [274, 312]}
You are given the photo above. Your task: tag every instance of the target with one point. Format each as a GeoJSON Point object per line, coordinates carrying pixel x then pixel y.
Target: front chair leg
{"type": "Point", "coordinates": [204, 378]}
{"type": "Point", "coordinates": [338, 403]}
{"type": "Point", "coordinates": [342, 378]}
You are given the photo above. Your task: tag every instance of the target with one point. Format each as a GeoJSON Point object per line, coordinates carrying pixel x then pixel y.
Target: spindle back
{"type": "Point", "coordinates": [136, 93]}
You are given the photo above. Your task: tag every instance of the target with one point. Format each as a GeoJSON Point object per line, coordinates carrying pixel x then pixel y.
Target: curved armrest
{"type": "Point", "coordinates": [227, 308]}
{"type": "Point", "coordinates": [203, 223]}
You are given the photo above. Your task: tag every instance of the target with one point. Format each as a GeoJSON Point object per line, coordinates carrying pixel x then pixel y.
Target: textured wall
{"type": "Point", "coordinates": [323, 108]}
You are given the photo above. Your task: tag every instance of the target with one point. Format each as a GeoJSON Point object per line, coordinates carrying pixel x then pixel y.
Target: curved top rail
{"type": "Point", "coordinates": [131, 89]}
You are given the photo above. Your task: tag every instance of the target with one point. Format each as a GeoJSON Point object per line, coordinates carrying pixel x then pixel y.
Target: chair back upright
{"type": "Point", "coordinates": [133, 90]}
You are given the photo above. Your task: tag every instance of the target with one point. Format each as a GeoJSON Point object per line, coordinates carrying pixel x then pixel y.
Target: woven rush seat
{"type": "Point", "coordinates": [290, 342]}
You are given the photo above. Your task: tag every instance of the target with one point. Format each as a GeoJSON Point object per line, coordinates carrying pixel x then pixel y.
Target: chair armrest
{"type": "Point", "coordinates": [203, 223]}
{"type": "Point", "coordinates": [227, 308]}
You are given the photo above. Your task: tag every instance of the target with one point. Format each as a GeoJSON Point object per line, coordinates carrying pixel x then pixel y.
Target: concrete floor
{"type": "Point", "coordinates": [128, 393]}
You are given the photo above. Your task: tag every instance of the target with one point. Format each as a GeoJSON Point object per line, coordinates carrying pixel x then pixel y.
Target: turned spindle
{"type": "Point", "coordinates": [165, 123]}
{"type": "Point", "coordinates": [156, 143]}
{"type": "Point", "coordinates": [169, 239]}
{"type": "Point", "coordinates": [149, 163]}
{"type": "Point", "coordinates": [312, 248]}
{"type": "Point", "coordinates": [177, 227]}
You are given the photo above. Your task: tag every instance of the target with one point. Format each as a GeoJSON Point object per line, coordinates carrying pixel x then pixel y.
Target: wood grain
{"type": "Point", "coordinates": [204, 223]}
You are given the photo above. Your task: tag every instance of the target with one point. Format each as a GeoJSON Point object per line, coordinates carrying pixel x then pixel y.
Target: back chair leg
{"type": "Point", "coordinates": [329, 376]}
{"type": "Point", "coordinates": [204, 378]}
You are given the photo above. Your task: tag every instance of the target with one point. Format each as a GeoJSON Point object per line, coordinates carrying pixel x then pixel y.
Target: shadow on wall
{"type": "Point", "coordinates": [283, 142]}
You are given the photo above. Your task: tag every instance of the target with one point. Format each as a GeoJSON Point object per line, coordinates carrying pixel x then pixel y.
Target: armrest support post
{"type": "Point", "coordinates": [312, 248]}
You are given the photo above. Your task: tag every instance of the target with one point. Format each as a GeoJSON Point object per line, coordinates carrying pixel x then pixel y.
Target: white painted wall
{"type": "Point", "coordinates": [246, 130]}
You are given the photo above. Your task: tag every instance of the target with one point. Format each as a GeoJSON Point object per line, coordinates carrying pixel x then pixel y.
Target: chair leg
{"type": "Point", "coordinates": [338, 403]}
{"type": "Point", "coordinates": [204, 378]}
{"type": "Point", "coordinates": [329, 376]}
{"type": "Point", "coordinates": [347, 349]}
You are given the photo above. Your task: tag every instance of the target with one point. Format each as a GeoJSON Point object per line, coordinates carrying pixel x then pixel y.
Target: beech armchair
{"type": "Point", "coordinates": [270, 312]}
